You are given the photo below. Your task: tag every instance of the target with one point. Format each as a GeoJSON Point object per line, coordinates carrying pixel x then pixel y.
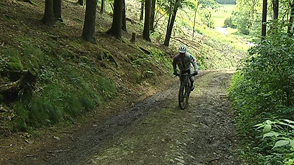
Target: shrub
{"type": "Point", "coordinates": [264, 89]}
{"type": "Point", "coordinates": [207, 18]}
{"type": "Point", "coordinates": [241, 20]}
{"type": "Point", "coordinates": [229, 23]}
{"type": "Point", "coordinates": [277, 137]}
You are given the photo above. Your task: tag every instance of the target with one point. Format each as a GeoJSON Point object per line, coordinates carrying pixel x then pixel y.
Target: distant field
{"type": "Point", "coordinates": [221, 14]}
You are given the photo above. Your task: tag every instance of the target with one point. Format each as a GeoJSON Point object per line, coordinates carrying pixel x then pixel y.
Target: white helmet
{"type": "Point", "coordinates": [182, 49]}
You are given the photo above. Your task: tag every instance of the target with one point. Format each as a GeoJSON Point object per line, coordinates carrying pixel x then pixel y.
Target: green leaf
{"type": "Point", "coordinates": [267, 128]}
{"type": "Point", "coordinates": [289, 121]}
{"type": "Point", "coordinates": [281, 143]}
{"type": "Point", "coordinates": [268, 122]}
{"type": "Point", "coordinates": [286, 124]}
{"type": "Point", "coordinates": [271, 134]}
{"type": "Point", "coordinates": [292, 143]}
{"type": "Point", "coordinates": [259, 125]}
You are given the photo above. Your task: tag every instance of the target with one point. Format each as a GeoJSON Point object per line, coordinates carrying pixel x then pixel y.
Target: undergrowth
{"type": "Point", "coordinates": [61, 91]}
{"type": "Point", "coordinates": [263, 90]}
{"type": "Point", "coordinates": [67, 84]}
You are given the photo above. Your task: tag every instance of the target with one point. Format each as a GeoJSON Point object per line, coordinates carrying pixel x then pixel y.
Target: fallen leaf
{"type": "Point", "coordinates": [55, 137]}
{"type": "Point", "coordinates": [27, 141]}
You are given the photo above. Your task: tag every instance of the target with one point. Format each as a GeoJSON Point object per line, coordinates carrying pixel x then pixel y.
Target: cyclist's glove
{"type": "Point", "coordinates": [195, 73]}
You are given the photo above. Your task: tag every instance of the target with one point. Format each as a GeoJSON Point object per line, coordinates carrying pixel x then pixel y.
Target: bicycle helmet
{"type": "Point", "coordinates": [182, 49]}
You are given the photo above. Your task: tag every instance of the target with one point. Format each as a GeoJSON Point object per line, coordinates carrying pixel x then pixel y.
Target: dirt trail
{"type": "Point", "coordinates": [201, 134]}
{"type": "Point", "coordinates": [156, 131]}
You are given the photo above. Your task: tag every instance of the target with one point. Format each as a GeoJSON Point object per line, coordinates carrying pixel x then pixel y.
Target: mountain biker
{"type": "Point", "coordinates": [186, 62]}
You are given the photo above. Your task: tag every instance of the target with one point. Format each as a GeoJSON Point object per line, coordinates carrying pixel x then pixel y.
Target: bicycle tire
{"type": "Point", "coordinates": [183, 96]}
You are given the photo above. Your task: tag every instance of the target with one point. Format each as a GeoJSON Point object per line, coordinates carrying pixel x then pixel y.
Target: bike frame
{"type": "Point", "coordinates": [185, 89]}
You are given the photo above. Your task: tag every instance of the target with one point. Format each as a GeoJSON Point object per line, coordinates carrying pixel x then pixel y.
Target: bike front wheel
{"type": "Point", "coordinates": [183, 96]}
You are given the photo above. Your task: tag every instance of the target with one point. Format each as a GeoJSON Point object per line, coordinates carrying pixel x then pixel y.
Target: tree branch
{"type": "Point", "coordinates": [25, 78]}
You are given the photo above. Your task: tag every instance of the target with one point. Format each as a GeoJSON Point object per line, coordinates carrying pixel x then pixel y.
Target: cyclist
{"type": "Point", "coordinates": [186, 62]}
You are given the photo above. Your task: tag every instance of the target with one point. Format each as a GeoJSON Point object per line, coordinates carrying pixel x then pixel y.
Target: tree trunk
{"type": "Point", "coordinates": [102, 6]}
{"type": "Point", "coordinates": [275, 9]}
{"type": "Point", "coordinates": [116, 27]}
{"type": "Point", "coordinates": [48, 18]}
{"type": "Point", "coordinates": [124, 18]}
{"type": "Point", "coordinates": [142, 9]}
{"type": "Point", "coordinates": [81, 2]}
{"type": "Point", "coordinates": [146, 32]}
{"type": "Point", "coordinates": [264, 15]}
{"type": "Point", "coordinates": [89, 24]}
{"type": "Point", "coordinates": [195, 14]}
{"type": "Point", "coordinates": [133, 40]}
{"type": "Point", "coordinates": [156, 21]}
{"type": "Point", "coordinates": [152, 17]}
{"type": "Point", "coordinates": [57, 9]}
{"type": "Point", "coordinates": [290, 27]}
{"type": "Point", "coordinates": [171, 24]}
{"type": "Point", "coordinates": [169, 15]}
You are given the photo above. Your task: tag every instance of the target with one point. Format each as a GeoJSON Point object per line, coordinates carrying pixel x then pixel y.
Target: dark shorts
{"type": "Point", "coordinates": [185, 71]}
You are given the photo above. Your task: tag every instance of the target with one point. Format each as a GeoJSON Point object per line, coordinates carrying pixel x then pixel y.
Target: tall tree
{"type": "Point", "coordinates": [196, 7]}
{"type": "Point", "coordinates": [275, 9]}
{"type": "Point", "coordinates": [89, 23]}
{"type": "Point", "coordinates": [264, 15]}
{"type": "Point", "coordinates": [146, 32]}
{"type": "Point", "coordinates": [247, 15]}
{"type": "Point", "coordinates": [290, 26]}
{"type": "Point", "coordinates": [49, 18]}
{"type": "Point", "coordinates": [152, 16]}
{"type": "Point", "coordinates": [171, 22]}
{"type": "Point", "coordinates": [102, 6]}
{"type": "Point", "coordinates": [124, 18]}
{"type": "Point", "coordinates": [57, 9]}
{"type": "Point", "coordinates": [142, 9]}
{"type": "Point", "coordinates": [116, 27]}
{"type": "Point", "coordinates": [252, 4]}
{"type": "Point", "coordinates": [275, 16]}
{"type": "Point", "coordinates": [81, 2]}
{"type": "Point", "coordinates": [196, 4]}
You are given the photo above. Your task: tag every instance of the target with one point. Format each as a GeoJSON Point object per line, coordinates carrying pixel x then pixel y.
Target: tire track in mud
{"type": "Point", "coordinates": [203, 133]}
{"type": "Point", "coordinates": [213, 140]}
{"type": "Point", "coordinates": [90, 141]}
{"type": "Point", "coordinates": [94, 139]}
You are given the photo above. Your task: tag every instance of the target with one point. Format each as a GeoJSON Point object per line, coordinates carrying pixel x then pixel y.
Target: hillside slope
{"type": "Point", "coordinates": [87, 74]}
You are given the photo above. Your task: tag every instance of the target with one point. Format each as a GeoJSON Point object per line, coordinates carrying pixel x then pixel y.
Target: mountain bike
{"type": "Point", "coordinates": [185, 89]}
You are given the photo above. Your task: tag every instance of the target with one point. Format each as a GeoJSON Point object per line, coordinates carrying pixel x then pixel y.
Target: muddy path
{"type": "Point", "coordinates": [155, 131]}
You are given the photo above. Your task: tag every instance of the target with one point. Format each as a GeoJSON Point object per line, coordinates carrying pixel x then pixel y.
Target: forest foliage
{"type": "Point", "coordinates": [263, 94]}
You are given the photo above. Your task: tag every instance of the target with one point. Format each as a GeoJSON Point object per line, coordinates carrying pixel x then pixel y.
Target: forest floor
{"type": "Point", "coordinates": [151, 131]}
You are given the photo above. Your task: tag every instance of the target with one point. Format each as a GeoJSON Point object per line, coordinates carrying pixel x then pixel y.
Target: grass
{"type": "Point", "coordinates": [60, 90]}
{"type": "Point", "coordinates": [219, 16]}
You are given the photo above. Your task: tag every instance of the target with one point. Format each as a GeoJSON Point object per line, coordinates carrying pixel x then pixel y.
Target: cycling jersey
{"type": "Point", "coordinates": [184, 63]}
